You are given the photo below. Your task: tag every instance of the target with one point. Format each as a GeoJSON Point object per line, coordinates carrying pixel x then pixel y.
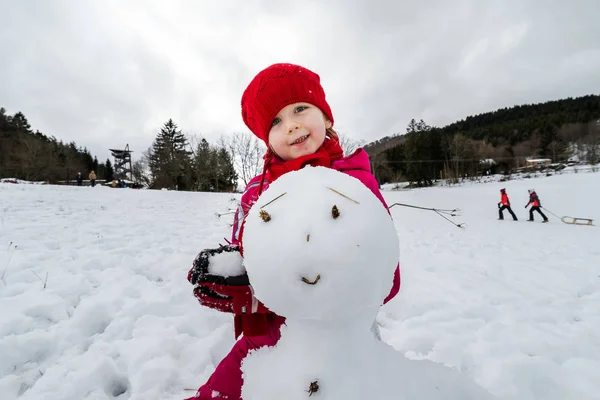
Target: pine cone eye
{"type": "Point", "coordinates": [335, 213]}
{"type": "Point", "coordinates": [265, 216]}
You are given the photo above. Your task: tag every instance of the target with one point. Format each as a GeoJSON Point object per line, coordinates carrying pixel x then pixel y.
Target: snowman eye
{"type": "Point", "coordinates": [335, 213]}
{"type": "Point", "coordinates": [265, 216]}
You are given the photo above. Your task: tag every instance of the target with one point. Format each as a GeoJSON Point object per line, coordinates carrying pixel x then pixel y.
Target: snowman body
{"type": "Point", "coordinates": [321, 249]}
{"type": "Point", "coordinates": [347, 366]}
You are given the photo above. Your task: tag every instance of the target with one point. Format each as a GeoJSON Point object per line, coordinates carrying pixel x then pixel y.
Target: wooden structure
{"type": "Point", "coordinates": [122, 164]}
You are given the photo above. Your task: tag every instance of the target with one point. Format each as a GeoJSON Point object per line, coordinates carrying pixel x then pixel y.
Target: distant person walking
{"type": "Point", "coordinates": [536, 205]}
{"type": "Point", "coordinates": [92, 177]}
{"type": "Point", "coordinates": [504, 204]}
{"type": "Point", "coordinates": [79, 179]}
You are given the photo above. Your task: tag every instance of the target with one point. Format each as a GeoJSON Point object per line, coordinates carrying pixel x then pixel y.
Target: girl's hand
{"type": "Point", "coordinates": [222, 266]}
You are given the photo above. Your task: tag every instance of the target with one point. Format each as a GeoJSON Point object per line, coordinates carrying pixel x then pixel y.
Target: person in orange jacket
{"type": "Point", "coordinates": [536, 205]}
{"type": "Point", "coordinates": [504, 204]}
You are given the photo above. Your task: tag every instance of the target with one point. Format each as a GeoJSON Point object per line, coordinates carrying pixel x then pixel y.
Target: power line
{"type": "Point", "coordinates": [452, 160]}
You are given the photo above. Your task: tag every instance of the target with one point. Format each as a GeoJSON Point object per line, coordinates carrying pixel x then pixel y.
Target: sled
{"type": "Point", "coordinates": [577, 221]}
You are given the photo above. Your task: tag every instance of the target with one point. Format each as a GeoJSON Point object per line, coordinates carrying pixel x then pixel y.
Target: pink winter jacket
{"type": "Point", "coordinates": [226, 381]}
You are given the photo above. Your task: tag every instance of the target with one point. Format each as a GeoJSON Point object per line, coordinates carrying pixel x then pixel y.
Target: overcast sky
{"type": "Point", "coordinates": [109, 72]}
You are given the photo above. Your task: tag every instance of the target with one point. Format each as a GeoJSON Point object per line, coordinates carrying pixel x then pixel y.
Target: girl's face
{"type": "Point", "coordinates": [298, 130]}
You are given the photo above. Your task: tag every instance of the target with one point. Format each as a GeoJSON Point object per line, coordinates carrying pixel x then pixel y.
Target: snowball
{"type": "Point", "coordinates": [319, 245]}
{"type": "Point", "coordinates": [227, 263]}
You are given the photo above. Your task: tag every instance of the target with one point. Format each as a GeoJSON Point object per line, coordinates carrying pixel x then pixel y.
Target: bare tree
{"type": "Point", "coordinates": [193, 140]}
{"type": "Point", "coordinates": [593, 143]}
{"type": "Point", "coordinates": [34, 158]}
{"type": "Point", "coordinates": [246, 151]}
{"type": "Point", "coordinates": [350, 145]}
{"type": "Point", "coordinates": [464, 156]}
{"type": "Point", "coordinates": [141, 172]}
{"type": "Point", "coordinates": [381, 169]}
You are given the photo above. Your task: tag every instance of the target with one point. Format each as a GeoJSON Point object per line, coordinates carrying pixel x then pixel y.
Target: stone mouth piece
{"type": "Point", "coordinates": [309, 282]}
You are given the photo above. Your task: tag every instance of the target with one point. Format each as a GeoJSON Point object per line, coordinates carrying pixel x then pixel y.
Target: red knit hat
{"type": "Point", "coordinates": [278, 86]}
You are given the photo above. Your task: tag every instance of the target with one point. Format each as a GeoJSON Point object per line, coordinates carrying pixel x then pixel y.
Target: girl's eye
{"type": "Point", "coordinates": [300, 109]}
{"type": "Point", "coordinates": [275, 121]}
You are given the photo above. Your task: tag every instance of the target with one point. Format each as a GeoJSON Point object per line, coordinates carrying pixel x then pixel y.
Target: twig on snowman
{"type": "Point", "coordinates": [264, 215]}
{"type": "Point", "coordinates": [218, 214]}
{"type": "Point", "coordinates": [453, 213]}
{"type": "Point", "coordinates": [278, 197]}
{"type": "Point", "coordinates": [343, 195]}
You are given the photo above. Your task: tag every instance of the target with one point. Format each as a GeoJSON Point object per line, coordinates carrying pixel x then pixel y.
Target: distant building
{"type": "Point", "coordinates": [536, 162]}
{"type": "Point", "coordinates": [487, 162]}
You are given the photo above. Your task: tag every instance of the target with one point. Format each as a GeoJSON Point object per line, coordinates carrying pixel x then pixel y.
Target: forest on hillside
{"type": "Point", "coordinates": [498, 141]}
{"type": "Point", "coordinates": [171, 162]}
{"type": "Point", "coordinates": [34, 156]}
{"type": "Point", "coordinates": [556, 130]}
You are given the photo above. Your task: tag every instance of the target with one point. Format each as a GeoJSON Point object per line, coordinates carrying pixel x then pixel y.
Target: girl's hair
{"type": "Point", "coordinates": [332, 133]}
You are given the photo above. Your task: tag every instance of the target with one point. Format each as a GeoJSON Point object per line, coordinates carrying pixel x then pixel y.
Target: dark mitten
{"type": "Point", "coordinates": [222, 265]}
{"type": "Point", "coordinates": [220, 282]}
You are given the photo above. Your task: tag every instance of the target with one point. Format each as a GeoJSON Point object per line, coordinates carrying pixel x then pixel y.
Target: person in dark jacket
{"type": "Point", "coordinates": [504, 204]}
{"type": "Point", "coordinates": [536, 205]}
{"type": "Point", "coordinates": [79, 179]}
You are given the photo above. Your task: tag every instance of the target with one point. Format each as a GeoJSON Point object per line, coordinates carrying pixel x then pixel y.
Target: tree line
{"type": "Point", "coordinates": [423, 154]}
{"type": "Point", "coordinates": [496, 141]}
{"type": "Point", "coordinates": [33, 156]}
{"type": "Point", "coordinates": [172, 162]}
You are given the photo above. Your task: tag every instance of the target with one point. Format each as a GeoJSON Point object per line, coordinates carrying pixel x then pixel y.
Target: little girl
{"type": "Point", "coordinates": [284, 106]}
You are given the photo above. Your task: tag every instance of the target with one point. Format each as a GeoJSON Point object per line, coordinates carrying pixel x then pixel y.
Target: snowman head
{"type": "Point", "coordinates": [319, 245]}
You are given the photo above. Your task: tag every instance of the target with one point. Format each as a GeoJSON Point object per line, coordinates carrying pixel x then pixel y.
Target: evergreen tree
{"type": "Point", "coordinates": [203, 167]}
{"type": "Point", "coordinates": [109, 172]}
{"type": "Point", "coordinates": [422, 153]}
{"type": "Point", "coordinates": [20, 123]}
{"type": "Point", "coordinates": [213, 169]}
{"type": "Point", "coordinates": [95, 164]}
{"type": "Point", "coordinates": [169, 161]}
{"type": "Point", "coordinates": [226, 177]}
{"type": "Point", "coordinates": [87, 160]}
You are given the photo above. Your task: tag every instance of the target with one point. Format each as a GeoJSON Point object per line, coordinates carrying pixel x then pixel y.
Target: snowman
{"type": "Point", "coordinates": [321, 249]}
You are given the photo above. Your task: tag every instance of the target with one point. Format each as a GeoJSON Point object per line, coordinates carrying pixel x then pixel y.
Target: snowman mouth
{"type": "Point", "coordinates": [311, 282]}
{"type": "Point", "coordinates": [301, 139]}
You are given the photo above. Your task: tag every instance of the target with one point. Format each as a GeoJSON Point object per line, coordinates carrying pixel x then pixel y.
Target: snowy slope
{"type": "Point", "coordinates": [513, 305]}
{"type": "Point", "coordinates": [516, 305]}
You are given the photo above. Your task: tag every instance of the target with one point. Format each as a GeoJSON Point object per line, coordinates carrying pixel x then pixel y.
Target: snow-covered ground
{"type": "Point", "coordinates": [518, 176]}
{"type": "Point", "coordinates": [513, 305]}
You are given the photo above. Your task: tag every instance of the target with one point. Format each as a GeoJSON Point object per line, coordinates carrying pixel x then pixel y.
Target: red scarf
{"type": "Point", "coordinates": [329, 152]}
